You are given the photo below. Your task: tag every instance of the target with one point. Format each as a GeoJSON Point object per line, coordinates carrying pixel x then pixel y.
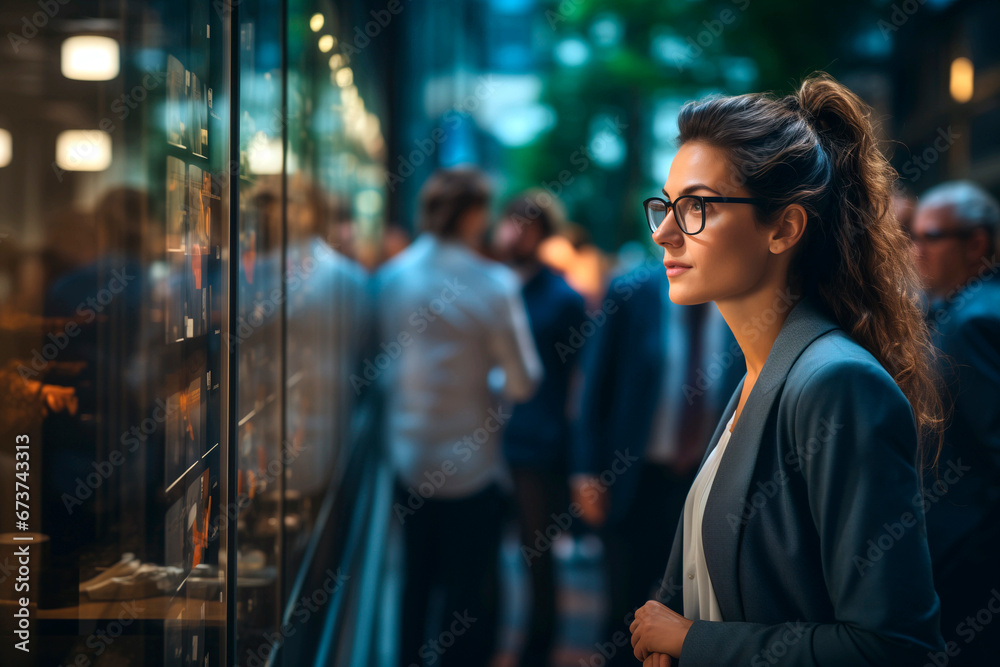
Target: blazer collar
{"type": "Point", "coordinates": [722, 525]}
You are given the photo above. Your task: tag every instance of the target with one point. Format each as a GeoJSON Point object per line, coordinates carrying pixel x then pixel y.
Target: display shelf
{"type": "Point", "coordinates": [149, 609]}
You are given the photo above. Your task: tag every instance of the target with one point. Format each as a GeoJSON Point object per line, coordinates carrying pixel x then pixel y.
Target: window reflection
{"type": "Point", "coordinates": [122, 164]}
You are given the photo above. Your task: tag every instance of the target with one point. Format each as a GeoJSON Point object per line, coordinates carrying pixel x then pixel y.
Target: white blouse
{"type": "Point", "coordinates": [699, 596]}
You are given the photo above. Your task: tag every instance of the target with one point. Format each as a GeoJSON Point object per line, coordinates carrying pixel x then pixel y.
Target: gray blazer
{"type": "Point", "coordinates": [814, 530]}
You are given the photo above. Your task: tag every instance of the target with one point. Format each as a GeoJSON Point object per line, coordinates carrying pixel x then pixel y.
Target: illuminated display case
{"type": "Point", "coordinates": [180, 309]}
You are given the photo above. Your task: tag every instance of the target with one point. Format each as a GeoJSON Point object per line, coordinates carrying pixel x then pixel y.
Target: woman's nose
{"type": "Point", "coordinates": [668, 233]}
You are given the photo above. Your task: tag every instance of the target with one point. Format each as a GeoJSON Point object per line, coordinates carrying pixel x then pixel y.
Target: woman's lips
{"type": "Point", "coordinates": [675, 268]}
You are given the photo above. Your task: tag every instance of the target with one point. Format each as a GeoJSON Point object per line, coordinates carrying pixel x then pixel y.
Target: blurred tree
{"type": "Point", "coordinates": [612, 63]}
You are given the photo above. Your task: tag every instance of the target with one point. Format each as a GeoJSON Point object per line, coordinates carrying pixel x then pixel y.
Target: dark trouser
{"type": "Point", "coordinates": [637, 548]}
{"type": "Point", "coordinates": [452, 544]}
{"type": "Point", "coordinates": [540, 494]}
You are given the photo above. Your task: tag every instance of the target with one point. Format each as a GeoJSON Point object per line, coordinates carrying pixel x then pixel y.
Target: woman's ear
{"type": "Point", "coordinates": [788, 230]}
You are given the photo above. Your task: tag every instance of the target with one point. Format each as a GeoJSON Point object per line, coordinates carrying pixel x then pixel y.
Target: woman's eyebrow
{"type": "Point", "coordinates": [692, 188]}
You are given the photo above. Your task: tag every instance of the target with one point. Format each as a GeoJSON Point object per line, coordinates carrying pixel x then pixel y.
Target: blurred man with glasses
{"type": "Point", "coordinates": [955, 235]}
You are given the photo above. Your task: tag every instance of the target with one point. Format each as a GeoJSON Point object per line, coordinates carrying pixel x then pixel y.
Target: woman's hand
{"type": "Point", "coordinates": [658, 629]}
{"type": "Point", "coordinates": [658, 660]}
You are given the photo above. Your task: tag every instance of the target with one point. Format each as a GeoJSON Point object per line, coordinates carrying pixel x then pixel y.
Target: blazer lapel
{"type": "Point", "coordinates": [670, 587]}
{"type": "Point", "coordinates": [722, 523]}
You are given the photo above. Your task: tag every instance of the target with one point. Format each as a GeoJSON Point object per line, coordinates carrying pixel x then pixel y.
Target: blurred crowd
{"type": "Point", "coordinates": [532, 377]}
{"type": "Point", "coordinates": [527, 376]}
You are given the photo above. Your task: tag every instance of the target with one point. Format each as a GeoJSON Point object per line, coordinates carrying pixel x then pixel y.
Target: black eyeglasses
{"type": "Point", "coordinates": [941, 234]}
{"type": "Point", "coordinates": [689, 210]}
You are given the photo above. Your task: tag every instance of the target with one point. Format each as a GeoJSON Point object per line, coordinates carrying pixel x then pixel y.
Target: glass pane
{"type": "Point", "coordinates": [258, 329]}
{"type": "Point", "coordinates": [335, 201]}
{"type": "Point", "coordinates": [110, 316]}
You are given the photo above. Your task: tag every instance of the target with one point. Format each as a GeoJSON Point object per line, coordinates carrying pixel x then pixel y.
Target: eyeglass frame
{"type": "Point", "coordinates": [668, 204]}
{"type": "Point", "coordinates": [944, 234]}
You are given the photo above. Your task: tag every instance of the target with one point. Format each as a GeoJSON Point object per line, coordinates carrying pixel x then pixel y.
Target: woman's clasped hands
{"type": "Point", "coordinates": [658, 634]}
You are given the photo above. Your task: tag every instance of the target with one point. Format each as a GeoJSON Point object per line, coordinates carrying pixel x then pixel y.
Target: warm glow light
{"type": "Point", "coordinates": [326, 42]}
{"type": "Point", "coordinates": [962, 75]}
{"type": "Point", "coordinates": [83, 150]}
{"type": "Point", "coordinates": [345, 77]}
{"type": "Point", "coordinates": [265, 154]}
{"type": "Point", "coordinates": [349, 96]}
{"type": "Point", "coordinates": [316, 22]}
{"type": "Point", "coordinates": [90, 58]}
{"type": "Point", "coordinates": [336, 60]}
{"type": "Point", "coordinates": [5, 148]}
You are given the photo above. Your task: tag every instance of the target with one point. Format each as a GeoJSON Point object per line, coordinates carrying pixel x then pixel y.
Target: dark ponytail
{"type": "Point", "coordinates": [818, 148]}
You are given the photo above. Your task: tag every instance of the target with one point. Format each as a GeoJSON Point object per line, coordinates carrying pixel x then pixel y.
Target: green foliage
{"type": "Point", "coordinates": [785, 41]}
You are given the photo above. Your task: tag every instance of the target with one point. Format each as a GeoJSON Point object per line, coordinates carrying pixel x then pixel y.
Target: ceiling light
{"type": "Point", "coordinates": [5, 147]}
{"type": "Point", "coordinates": [90, 58]}
{"type": "Point", "coordinates": [83, 150]}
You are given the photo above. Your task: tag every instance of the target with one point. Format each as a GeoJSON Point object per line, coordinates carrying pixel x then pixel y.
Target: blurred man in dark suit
{"type": "Point", "coordinates": [656, 379]}
{"type": "Point", "coordinates": [955, 234]}
{"type": "Point", "coordinates": [536, 441]}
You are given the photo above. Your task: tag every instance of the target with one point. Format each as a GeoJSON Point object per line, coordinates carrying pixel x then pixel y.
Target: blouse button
{"type": "Point", "coordinates": [691, 576]}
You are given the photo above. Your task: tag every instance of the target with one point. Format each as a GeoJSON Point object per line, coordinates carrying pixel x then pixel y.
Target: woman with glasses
{"type": "Point", "coordinates": [802, 541]}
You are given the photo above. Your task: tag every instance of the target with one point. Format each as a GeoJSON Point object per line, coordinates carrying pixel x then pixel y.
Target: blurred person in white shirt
{"type": "Point", "coordinates": [454, 349]}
